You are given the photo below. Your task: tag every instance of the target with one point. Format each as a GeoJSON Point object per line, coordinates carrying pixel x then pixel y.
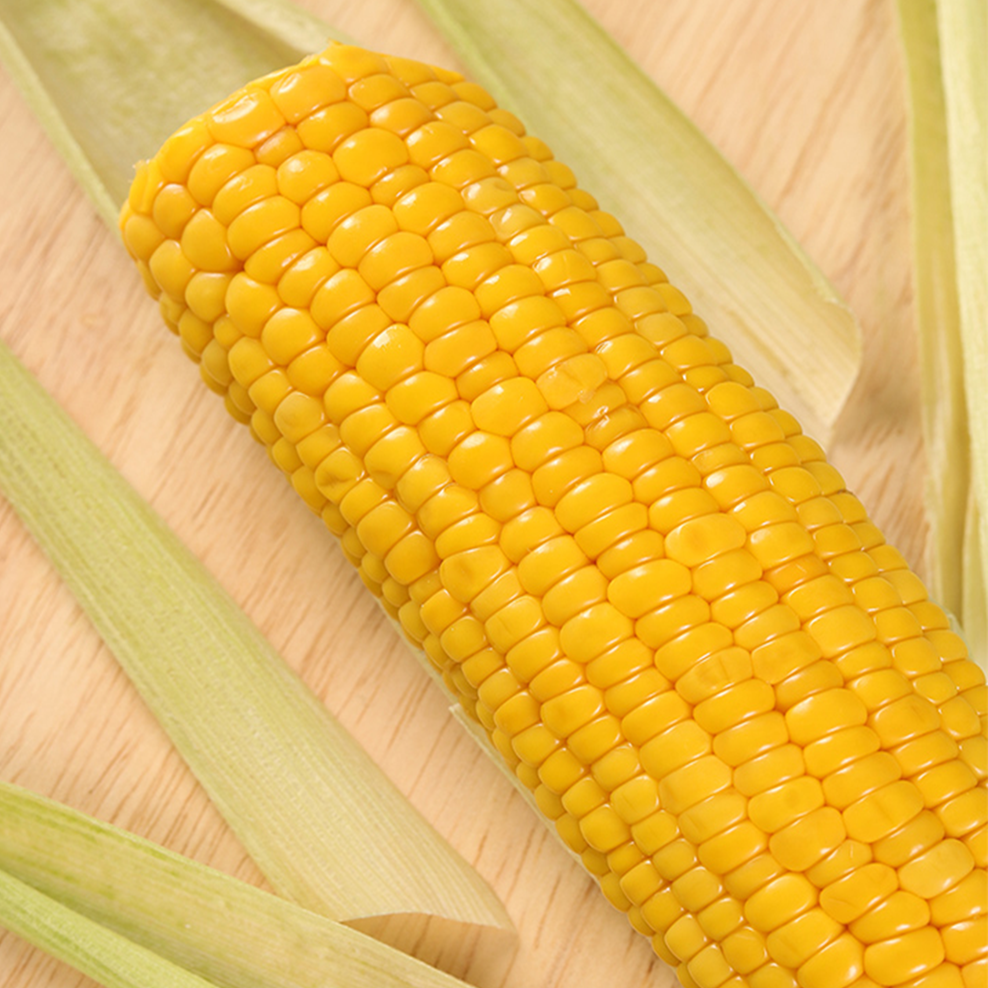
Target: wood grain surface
{"type": "Point", "coordinates": [805, 97]}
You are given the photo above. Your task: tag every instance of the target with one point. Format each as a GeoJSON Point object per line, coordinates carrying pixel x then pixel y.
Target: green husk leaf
{"type": "Point", "coordinates": [946, 50]}
{"type": "Point", "coordinates": [649, 165]}
{"type": "Point", "coordinates": [126, 896]}
{"type": "Point", "coordinates": [323, 823]}
{"type": "Point", "coordinates": [109, 92]}
{"type": "Point", "coordinates": [112, 960]}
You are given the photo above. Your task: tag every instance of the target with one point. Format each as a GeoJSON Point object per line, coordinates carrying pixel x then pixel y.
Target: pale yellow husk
{"type": "Point", "coordinates": [946, 52]}
{"type": "Point", "coordinates": [130, 913]}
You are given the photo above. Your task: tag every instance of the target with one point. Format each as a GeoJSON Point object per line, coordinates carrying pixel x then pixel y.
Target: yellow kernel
{"type": "Point", "coordinates": [347, 294]}
{"type": "Point", "coordinates": [470, 572]}
{"type": "Point", "coordinates": [672, 621]}
{"type": "Point", "coordinates": [745, 950]}
{"type": "Point", "coordinates": [288, 333]}
{"type": "Point", "coordinates": [805, 841]}
{"type": "Point", "coordinates": [738, 607]}
{"type": "Point", "coordinates": [442, 429]}
{"type": "Point", "coordinates": [693, 783]}
{"type": "Point", "coordinates": [574, 379]}
{"type": "Point", "coordinates": [394, 257]}
{"type": "Point", "coordinates": [508, 406]}
{"type": "Point", "coordinates": [302, 91]}
{"type": "Point", "coordinates": [406, 293]}
{"type": "Point", "coordinates": [554, 680]}
{"type": "Point", "coordinates": [392, 356]}
{"type": "Point", "coordinates": [837, 965]}
{"type": "Point", "coordinates": [324, 211]}
{"type": "Point", "coordinates": [779, 806]}
{"type": "Point", "coordinates": [508, 495]}
{"type": "Point", "coordinates": [246, 120]}
{"type": "Point", "coordinates": [774, 769]}
{"type": "Point", "coordinates": [965, 942]}
{"type": "Point", "coordinates": [419, 394]}
{"type": "Point", "coordinates": [269, 389]}
{"type": "Point", "coordinates": [214, 168]}
{"type": "Point", "coordinates": [479, 458]}
{"type": "Point", "coordinates": [358, 233]}
{"type": "Point", "coordinates": [842, 747]}
{"type": "Point", "coordinates": [513, 623]}
{"type": "Point", "coordinates": [625, 696]}
{"type": "Point", "coordinates": [725, 572]}
{"type": "Point", "coordinates": [388, 459]}
{"type": "Point", "coordinates": [271, 260]}
{"type": "Point", "coordinates": [714, 673]}
{"type": "Point", "coordinates": [389, 189]}
{"type": "Point", "coordinates": [304, 174]}
{"type": "Point", "coordinates": [636, 799]}
{"type": "Point", "coordinates": [937, 869]}
{"type": "Point", "coordinates": [901, 958]}
{"type": "Point", "coordinates": [298, 284]}
{"type": "Point", "coordinates": [458, 233]}
{"type": "Point", "coordinates": [141, 236]}
{"type": "Point", "coordinates": [962, 901]}
{"type": "Point", "coordinates": [326, 128]}
{"type": "Point", "coordinates": [896, 914]}
{"type": "Point", "coordinates": [904, 719]}
{"type": "Point", "coordinates": [798, 940]}
{"type": "Point", "coordinates": [688, 647]}
{"type": "Point", "coordinates": [549, 562]}
{"type": "Point", "coordinates": [730, 849]}
{"type": "Point", "coordinates": [823, 713]}
{"type": "Point", "coordinates": [171, 269]}
{"type": "Point", "coordinates": [685, 938]}
{"type": "Point", "coordinates": [674, 748]}
{"type": "Point", "coordinates": [298, 415]}
{"type": "Point", "coordinates": [594, 631]}
{"type": "Point", "coordinates": [261, 223]}
{"type": "Point", "coordinates": [779, 902]}
{"type": "Point", "coordinates": [243, 190]}
{"type": "Point", "coordinates": [697, 889]}
{"type": "Point", "coordinates": [750, 738]}
{"type": "Point", "coordinates": [214, 366]}
{"type": "Point", "coordinates": [195, 334]}
{"type": "Point", "coordinates": [861, 777]}
{"type": "Point", "coordinates": [883, 811]}
{"type": "Point", "coordinates": [173, 208]}
{"type": "Point", "coordinates": [565, 713]}
{"type": "Point", "coordinates": [590, 499]}
{"type": "Point", "coordinates": [629, 658]}
{"type": "Point", "coordinates": [612, 528]}
{"type": "Point", "coordinates": [734, 704]}
{"type": "Point", "coordinates": [604, 829]}
{"type": "Point", "coordinates": [671, 510]}
{"type": "Point", "coordinates": [280, 146]}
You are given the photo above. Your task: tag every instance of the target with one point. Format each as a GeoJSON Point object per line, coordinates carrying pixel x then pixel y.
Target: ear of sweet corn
{"type": "Point", "coordinates": [674, 622]}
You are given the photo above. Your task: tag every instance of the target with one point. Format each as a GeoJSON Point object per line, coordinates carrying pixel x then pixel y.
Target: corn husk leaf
{"type": "Point", "coordinates": [649, 165]}
{"type": "Point", "coordinates": [321, 821]}
{"type": "Point", "coordinates": [946, 49]}
{"type": "Point", "coordinates": [133, 906]}
{"type": "Point", "coordinates": [963, 29]}
{"type": "Point", "coordinates": [108, 91]}
{"type": "Point", "coordinates": [112, 960]}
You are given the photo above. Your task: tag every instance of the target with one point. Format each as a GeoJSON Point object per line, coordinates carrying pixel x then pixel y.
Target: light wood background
{"type": "Point", "coordinates": [806, 97]}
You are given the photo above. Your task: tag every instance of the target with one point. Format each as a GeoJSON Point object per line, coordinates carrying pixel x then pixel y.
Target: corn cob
{"type": "Point", "coordinates": [680, 630]}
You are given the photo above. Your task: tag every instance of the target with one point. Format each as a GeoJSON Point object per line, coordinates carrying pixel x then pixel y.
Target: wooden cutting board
{"type": "Point", "coordinates": [806, 99]}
